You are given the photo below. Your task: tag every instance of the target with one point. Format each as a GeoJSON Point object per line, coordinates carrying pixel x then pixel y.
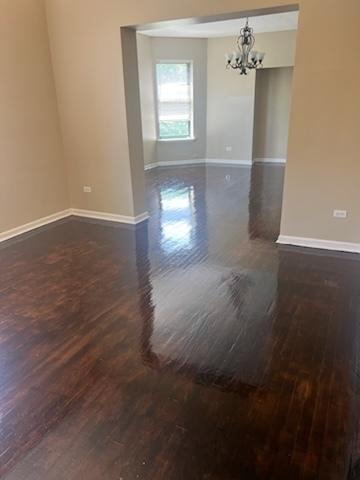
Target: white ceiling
{"type": "Point", "coordinates": [264, 23]}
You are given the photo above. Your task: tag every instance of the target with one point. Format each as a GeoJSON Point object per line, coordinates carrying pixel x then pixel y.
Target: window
{"type": "Point", "coordinates": [175, 100]}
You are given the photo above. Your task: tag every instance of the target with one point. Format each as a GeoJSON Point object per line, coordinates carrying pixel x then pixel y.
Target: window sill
{"type": "Point", "coordinates": [171, 140]}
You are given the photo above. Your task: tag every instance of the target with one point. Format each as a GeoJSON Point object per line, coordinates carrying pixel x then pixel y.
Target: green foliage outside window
{"type": "Point", "coordinates": [174, 129]}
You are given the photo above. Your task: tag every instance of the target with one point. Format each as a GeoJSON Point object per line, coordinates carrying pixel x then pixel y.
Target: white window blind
{"type": "Point", "coordinates": [175, 100]}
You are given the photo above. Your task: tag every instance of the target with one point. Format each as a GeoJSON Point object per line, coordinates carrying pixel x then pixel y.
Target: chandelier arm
{"type": "Point", "coordinates": [252, 42]}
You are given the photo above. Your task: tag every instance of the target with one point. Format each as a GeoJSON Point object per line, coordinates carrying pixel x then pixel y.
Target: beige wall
{"type": "Point", "coordinates": [230, 112]}
{"type": "Point", "coordinates": [32, 180]}
{"type": "Point", "coordinates": [192, 49]}
{"type": "Point", "coordinates": [147, 97]}
{"type": "Point", "coordinates": [231, 98]}
{"type": "Point", "coordinates": [272, 112]}
{"type": "Point", "coordinates": [323, 168]}
{"type": "Point", "coordinates": [88, 67]}
{"type": "Point", "coordinates": [133, 120]}
{"type": "Point", "coordinates": [324, 141]}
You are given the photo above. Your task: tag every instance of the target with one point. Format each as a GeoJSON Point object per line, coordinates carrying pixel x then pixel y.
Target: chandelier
{"type": "Point", "coordinates": [245, 58]}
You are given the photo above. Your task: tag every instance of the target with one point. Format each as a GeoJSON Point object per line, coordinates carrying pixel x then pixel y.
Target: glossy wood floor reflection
{"type": "Point", "coordinates": [189, 348]}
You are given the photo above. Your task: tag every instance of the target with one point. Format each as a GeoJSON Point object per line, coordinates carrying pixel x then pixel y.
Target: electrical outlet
{"type": "Point", "coordinates": [87, 189]}
{"type": "Point", "coordinates": [228, 148]}
{"type": "Point", "coordinates": [340, 213]}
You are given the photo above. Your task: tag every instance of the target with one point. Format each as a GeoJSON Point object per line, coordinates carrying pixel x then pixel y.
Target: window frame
{"type": "Point", "coordinates": [157, 101]}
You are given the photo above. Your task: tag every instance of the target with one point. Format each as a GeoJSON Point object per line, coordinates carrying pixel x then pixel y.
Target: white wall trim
{"type": "Point", "coordinates": [319, 243]}
{"type": "Point", "coordinates": [141, 218]}
{"type": "Point", "coordinates": [14, 232]}
{"type": "Point", "coordinates": [27, 227]}
{"type": "Point", "coordinates": [175, 163]}
{"type": "Point", "coordinates": [174, 140]}
{"type": "Point", "coordinates": [198, 161]}
{"type": "Point", "coordinates": [111, 217]}
{"type": "Point", "coordinates": [222, 161]}
{"type": "Point", "coordinates": [195, 161]}
{"type": "Point", "coordinates": [270, 160]}
{"type": "Point", "coordinates": [150, 166]}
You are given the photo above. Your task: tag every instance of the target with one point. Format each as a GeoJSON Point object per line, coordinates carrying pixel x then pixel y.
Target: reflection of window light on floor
{"type": "Point", "coordinates": [177, 200]}
{"type": "Point", "coordinates": [177, 218]}
{"type": "Point", "coordinates": [176, 234]}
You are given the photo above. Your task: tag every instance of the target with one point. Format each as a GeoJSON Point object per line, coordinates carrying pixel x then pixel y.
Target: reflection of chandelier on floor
{"type": "Point", "coordinates": [245, 58]}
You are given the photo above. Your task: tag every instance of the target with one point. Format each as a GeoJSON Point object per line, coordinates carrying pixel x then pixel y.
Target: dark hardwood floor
{"type": "Point", "coordinates": [189, 348]}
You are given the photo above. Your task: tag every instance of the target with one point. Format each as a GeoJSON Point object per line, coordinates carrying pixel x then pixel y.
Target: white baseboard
{"type": "Point", "coordinates": [179, 163]}
{"type": "Point", "coordinates": [270, 160]}
{"type": "Point", "coordinates": [110, 217]}
{"type": "Point", "coordinates": [14, 232]}
{"type": "Point", "coordinates": [175, 163]}
{"type": "Point", "coordinates": [198, 161]}
{"type": "Point", "coordinates": [150, 166]}
{"type": "Point", "coordinates": [221, 161]}
{"type": "Point", "coordinates": [141, 218]}
{"type": "Point", "coordinates": [319, 243]}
